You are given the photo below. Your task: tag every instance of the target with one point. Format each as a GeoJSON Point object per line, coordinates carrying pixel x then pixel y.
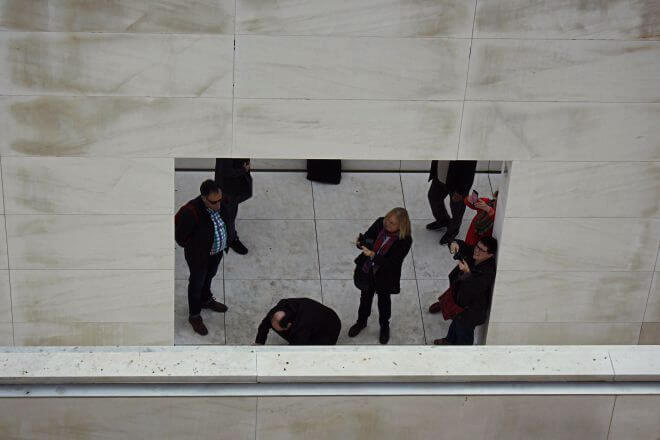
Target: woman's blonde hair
{"type": "Point", "coordinates": [404, 221]}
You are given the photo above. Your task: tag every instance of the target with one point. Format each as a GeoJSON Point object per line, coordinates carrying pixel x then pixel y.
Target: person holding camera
{"type": "Point", "coordinates": [378, 268]}
{"type": "Point", "coordinates": [466, 301]}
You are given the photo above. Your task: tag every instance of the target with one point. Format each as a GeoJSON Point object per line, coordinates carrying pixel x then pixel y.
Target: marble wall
{"type": "Point", "coordinates": [97, 101]}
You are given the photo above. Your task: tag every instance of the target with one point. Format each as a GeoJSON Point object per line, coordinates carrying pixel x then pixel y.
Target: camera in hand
{"type": "Point", "coordinates": [364, 241]}
{"type": "Point", "coordinates": [458, 256]}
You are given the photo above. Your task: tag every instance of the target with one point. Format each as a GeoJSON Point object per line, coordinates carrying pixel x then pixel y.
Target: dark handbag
{"type": "Point", "coordinates": [363, 280]}
{"type": "Point", "coordinates": [448, 305]}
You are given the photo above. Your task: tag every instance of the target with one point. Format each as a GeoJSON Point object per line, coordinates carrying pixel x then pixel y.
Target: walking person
{"type": "Point", "coordinates": [378, 268]}
{"type": "Point", "coordinates": [234, 179]}
{"type": "Point", "coordinates": [460, 177]}
{"type": "Point", "coordinates": [200, 229]}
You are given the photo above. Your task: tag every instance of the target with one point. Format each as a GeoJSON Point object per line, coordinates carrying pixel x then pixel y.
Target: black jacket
{"type": "Point", "coordinates": [460, 175]}
{"type": "Point", "coordinates": [388, 276]}
{"type": "Point", "coordinates": [473, 291]}
{"type": "Point", "coordinates": [231, 177]}
{"type": "Point", "coordinates": [312, 323]}
{"type": "Point", "coordinates": [194, 230]}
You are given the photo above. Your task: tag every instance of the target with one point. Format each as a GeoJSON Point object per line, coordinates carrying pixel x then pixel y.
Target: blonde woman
{"type": "Point", "coordinates": [378, 268]}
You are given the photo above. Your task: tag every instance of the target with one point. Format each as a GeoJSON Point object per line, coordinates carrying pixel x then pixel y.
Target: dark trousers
{"type": "Point", "coordinates": [437, 193]}
{"type": "Point", "coordinates": [460, 333]}
{"type": "Point", "coordinates": [231, 212]}
{"type": "Point", "coordinates": [199, 282]}
{"type": "Point", "coordinates": [384, 307]}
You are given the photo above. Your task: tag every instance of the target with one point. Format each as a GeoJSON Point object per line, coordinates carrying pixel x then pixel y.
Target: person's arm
{"type": "Point", "coordinates": [374, 229]}
{"type": "Point", "coordinates": [467, 202]}
{"type": "Point", "coordinates": [264, 328]}
{"type": "Point", "coordinates": [185, 226]}
{"type": "Point", "coordinates": [396, 254]}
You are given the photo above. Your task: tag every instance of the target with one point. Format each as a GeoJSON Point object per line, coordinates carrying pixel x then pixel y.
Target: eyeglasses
{"type": "Point", "coordinates": [481, 249]}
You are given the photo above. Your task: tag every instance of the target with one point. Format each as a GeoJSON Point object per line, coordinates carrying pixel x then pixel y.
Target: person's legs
{"type": "Point", "coordinates": [231, 212]}
{"type": "Point", "coordinates": [195, 286]}
{"type": "Point", "coordinates": [384, 309]}
{"type": "Point", "coordinates": [366, 299]}
{"type": "Point", "coordinates": [211, 271]}
{"type": "Point", "coordinates": [460, 334]}
{"type": "Point", "coordinates": [436, 195]}
{"type": "Point", "coordinates": [457, 211]}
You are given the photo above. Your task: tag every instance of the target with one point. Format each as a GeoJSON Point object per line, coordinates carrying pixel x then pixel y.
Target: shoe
{"type": "Point", "coordinates": [198, 325]}
{"type": "Point", "coordinates": [384, 335]}
{"type": "Point", "coordinates": [441, 341]}
{"type": "Point", "coordinates": [435, 307]}
{"type": "Point", "coordinates": [238, 247]}
{"type": "Point", "coordinates": [434, 226]}
{"type": "Point", "coordinates": [214, 305]}
{"type": "Point", "coordinates": [356, 329]}
{"type": "Point", "coordinates": [447, 238]}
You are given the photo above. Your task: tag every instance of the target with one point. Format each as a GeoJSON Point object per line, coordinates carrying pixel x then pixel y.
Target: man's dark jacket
{"type": "Point", "coordinates": [388, 276]}
{"type": "Point", "coordinates": [473, 291]}
{"type": "Point", "coordinates": [312, 323]}
{"type": "Point", "coordinates": [194, 230]}
{"type": "Point", "coordinates": [460, 175]}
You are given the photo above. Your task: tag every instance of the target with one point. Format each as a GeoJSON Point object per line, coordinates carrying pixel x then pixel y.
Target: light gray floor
{"type": "Point", "coordinates": [301, 240]}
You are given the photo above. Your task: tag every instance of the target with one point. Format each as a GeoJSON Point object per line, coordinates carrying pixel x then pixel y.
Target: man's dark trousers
{"type": "Point", "coordinates": [460, 333]}
{"type": "Point", "coordinates": [199, 282]}
{"type": "Point", "coordinates": [437, 193]}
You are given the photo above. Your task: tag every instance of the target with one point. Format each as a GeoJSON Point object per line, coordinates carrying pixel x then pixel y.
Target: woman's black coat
{"type": "Point", "coordinates": [389, 265]}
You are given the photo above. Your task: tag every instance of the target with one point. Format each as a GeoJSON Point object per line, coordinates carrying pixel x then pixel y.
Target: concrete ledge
{"type": "Point", "coordinates": [636, 363]}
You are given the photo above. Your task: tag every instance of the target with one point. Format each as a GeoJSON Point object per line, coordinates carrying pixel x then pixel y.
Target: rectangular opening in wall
{"type": "Point", "coordinates": [300, 237]}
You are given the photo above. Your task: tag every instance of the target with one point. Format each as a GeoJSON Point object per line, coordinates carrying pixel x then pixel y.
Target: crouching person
{"type": "Point", "coordinates": [301, 321]}
{"type": "Point", "coordinates": [467, 300]}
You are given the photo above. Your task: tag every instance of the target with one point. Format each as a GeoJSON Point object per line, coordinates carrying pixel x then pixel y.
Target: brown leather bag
{"type": "Point", "coordinates": [448, 305]}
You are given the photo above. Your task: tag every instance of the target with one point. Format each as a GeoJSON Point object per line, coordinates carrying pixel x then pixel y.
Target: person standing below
{"type": "Point", "coordinates": [234, 179]}
{"type": "Point", "coordinates": [467, 300]}
{"type": "Point", "coordinates": [301, 321]}
{"type": "Point", "coordinates": [460, 177]}
{"type": "Point", "coordinates": [378, 268]}
{"type": "Point", "coordinates": [200, 229]}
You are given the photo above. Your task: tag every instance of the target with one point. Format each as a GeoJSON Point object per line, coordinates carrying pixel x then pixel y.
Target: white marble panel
{"type": "Point", "coordinates": [371, 165]}
{"type": "Point", "coordinates": [250, 300]}
{"type": "Point", "coordinates": [434, 364]}
{"type": "Point", "coordinates": [574, 333]}
{"type": "Point", "coordinates": [337, 249]}
{"type": "Point", "coordinates": [432, 260]}
{"type": "Point", "coordinates": [567, 19]}
{"type": "Point", "coordinates": [405, 324]}
{"type": "Point", "coordinates": [578, 244]}
{"type": "Point", "coordinates": [279, 195]}
{"type": "Point", "coordinates": [67, 185]}
{"type": "Point", "coordinates": [91, 241]}
{"type": "Point", "coordinates": [52, 63]}
{"type": "Point", "coordinates": [278, 250]}
{"type": "Point", "coordinates": [115, 126]}
{"type": "Point", "coordinates": [92, 333]}
{"type": "Point", "coordinates": [346, 129]}
{"type": "Point", "coordinates": [72, 296]}
{"type": "Point", "coordinates": [564, 70]}
{"type": "Point", "coordinates": [223, 418]}
{"type": "Point", "coordinates": [384, 18]}
{"type": "Point", "coordinates": [2, 199]}
{"type": "Point", "coordinates": [560, 131]}
{"type": "Point", "coordinates": [582, 189]}
{"type": "Point", "coordinates": [359, 196]}
{"type": "Point", "coordinates": [214, 321]}
{"type": "Point", "coordinates": [163, 16]}
{"type": "Point", "coordinates": [635, 418]}
{"type": "Point", "coordinates": [351, 68]}
{"type": "Point", "coordinates": [6, 334]}
{"type": "Point", "coordinates": [650, 334]}
{"type": "Point", "coordinates": [4, 260]}
{"type": "Point", "coordinates": [570, 296]}
{"type": "Point", "coordinates": [424, 417]}
{"type": "Point", "coordinates": [652, 313]}
{"type": "Point", "coordinates": [5, 297]}
{"type": "Point", "coordinates": [636, 363]}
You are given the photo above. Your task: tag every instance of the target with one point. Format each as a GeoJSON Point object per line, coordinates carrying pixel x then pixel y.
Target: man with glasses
{"type": "Point", "coordinates": [471, 283]}
{"type": "Point", "coordinates": [200, 229]}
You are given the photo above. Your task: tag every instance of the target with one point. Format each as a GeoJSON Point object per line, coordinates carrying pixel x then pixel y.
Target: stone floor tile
{"type": "Point", "coordinates": [250, 300]}
{"type": "Point", "coordinates": [431, 260]}
{"type": "Point", "coordinates": [215, 322]}
{"type": "Point", "coordinates": [435, 326]}
{"type": "Point", "coordinates": [278, 195]}
{"type": "Point", "coordinates": [337, 250]}
{"type": "Point", "coordinates": [278, 250]}
{"type": "Point", "coordinates": [186, 185]}
{"type": "Point", "coordinates": [359, 196]}
{"type": "Point", "coordinates": [406, 322]}
{"type": "Point", "coordinates": [415, 192]}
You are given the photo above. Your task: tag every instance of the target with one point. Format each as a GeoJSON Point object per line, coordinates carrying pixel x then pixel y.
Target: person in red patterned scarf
{"type": "Point", "coordinates": [378, 268]}
{"type": "Point", "coordinates": [482, 223]}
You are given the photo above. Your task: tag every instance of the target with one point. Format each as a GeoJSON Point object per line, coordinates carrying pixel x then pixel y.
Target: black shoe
{"type": "Point", "coordinates": [356, 329]}
{"type": "Point", "coordinates": [384, 335]}
{"type": "Point", "coordinates": [238, 247]}
{"type": "Point", "coordinates": [434, 226]}
{"type": "Point", "coordinates": [447, 238]}
{"type": "Point", "coordinates": [214, 305]}
{"type": "Point", "coordinates": [198, 325]}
